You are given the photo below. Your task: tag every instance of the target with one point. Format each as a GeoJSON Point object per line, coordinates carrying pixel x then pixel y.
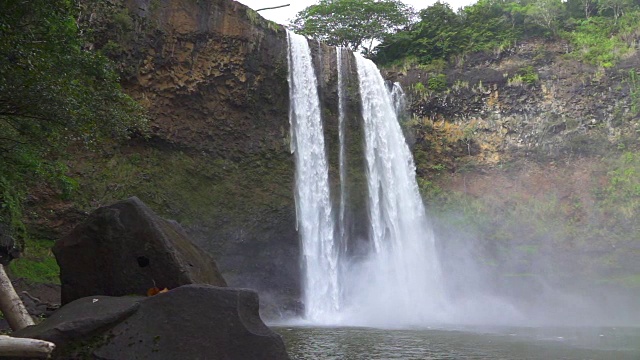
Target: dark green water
{"type": "Point", "coordinates": [316, 343]}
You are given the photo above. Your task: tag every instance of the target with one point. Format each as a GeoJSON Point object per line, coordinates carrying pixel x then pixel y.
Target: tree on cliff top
{"type": "Point", "coordinates": [53, 93]}
{"type": "Point", "coordinates": [353, 24]}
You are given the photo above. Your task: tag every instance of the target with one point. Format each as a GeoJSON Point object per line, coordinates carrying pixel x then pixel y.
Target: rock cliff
{"type": "Point", "coordinates": [531, 100]}
{"type": "Point", "coordinates": [213, 77]}
{"type": "Point", "coordinates": [529, 154]}
{"type": "Point", "coordinates": [499, 141]}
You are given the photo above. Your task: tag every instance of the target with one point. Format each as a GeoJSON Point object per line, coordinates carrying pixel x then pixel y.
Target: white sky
{"type": "Point", "coordinates": [283, 15]}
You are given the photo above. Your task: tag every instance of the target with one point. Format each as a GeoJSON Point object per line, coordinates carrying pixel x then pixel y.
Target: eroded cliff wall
{"type": "Point", "coordinates": [213, 77]}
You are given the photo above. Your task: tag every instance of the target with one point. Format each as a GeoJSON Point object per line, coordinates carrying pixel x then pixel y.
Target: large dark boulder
{"type": "Point", "coordinates": [195, 322]}
{"type": "Point", "coordinates": [126, 249]}
{"type": "Point", "coordinates": [190, 322]}
{"type": "Point", "coordinates": [82, 319]}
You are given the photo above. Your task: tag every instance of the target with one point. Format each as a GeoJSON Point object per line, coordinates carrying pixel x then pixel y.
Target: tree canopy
{"type": "Point", "coordinates": [53, 92]}
{"type": "Point", "coordinates": [598, 30]}
{"type": "Point", "coordinates": [353, 24]}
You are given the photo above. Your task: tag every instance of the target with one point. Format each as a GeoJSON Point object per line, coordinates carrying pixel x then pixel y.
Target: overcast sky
{"type": "Point", "coordinates": [283, 15]}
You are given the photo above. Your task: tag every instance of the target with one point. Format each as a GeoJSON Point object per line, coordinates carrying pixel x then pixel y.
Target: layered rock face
{"type": "Point", "coordinates": [530, 148]}
{"type": "Point", "coordinates": [530, 101]}
{"type": "Point", "coordinates": [213, 76]}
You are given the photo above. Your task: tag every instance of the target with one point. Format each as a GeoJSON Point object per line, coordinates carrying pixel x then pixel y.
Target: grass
{"type": "Point", "coordinates": [37, 264]}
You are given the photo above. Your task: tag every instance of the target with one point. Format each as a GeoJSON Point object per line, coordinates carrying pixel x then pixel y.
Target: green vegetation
{"type": "Point", "coordinates": [621, 196]}
{"type": "Point", "coordinates": [37, 263]}
{"type": "Point", "coordinates": [634, 90]}
{"type": "Point", "coordinates": [602, 40]}
{"type": "Point", "coordinates": [632, 281]}
{"type": "Point", "coordinates": [441, 33]}
{"type": "Point", "coordinates": [599, 32]}
{"type": "Point", "coordinates": [419, 88]}
{"type": "Point", "coordinates": [527, 75]}
{"type": "Point", "coordinates": [437, 82]}
{"type": "Point", "coordinates": [54, 93]}
{"type": "Point", "coordinates": [353, 24]}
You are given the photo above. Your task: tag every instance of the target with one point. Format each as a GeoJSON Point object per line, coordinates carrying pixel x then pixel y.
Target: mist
{"type": "Point", "coordinates": [503, 282]}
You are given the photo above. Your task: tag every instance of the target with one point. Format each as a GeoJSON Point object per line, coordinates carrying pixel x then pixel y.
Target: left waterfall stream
{"type": "Point", "coordinates": [315, 221]}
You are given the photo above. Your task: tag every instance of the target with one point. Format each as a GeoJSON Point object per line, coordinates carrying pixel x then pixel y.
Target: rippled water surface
{"type": "Point", "coordinates": [462, 343]}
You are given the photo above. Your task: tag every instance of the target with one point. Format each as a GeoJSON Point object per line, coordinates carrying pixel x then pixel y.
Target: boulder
{"type": "Point", "coordinates": [190, 322]}
{"type": "Point", "coordinates": [126, 249]}
{"type": "Point", "coordinates": [81, 319]}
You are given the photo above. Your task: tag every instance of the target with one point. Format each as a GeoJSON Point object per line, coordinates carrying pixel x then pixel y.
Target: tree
{"type": "Point", "coordinates": [11, 306]}
{"type": "Point", "coordinates": [618, 7]}
{"type": "Point", "coordinates": [588, 6]}
{"type": "Point", "coordinates": [546, 13]}
{"type": "Point", "coordinates": [25, 348]}
{"type": "Point", "coordinates": [489, 23]}
{"type": "Point", "coordinates": [53, 93]}
{"type": "Point", "coordinates": [18, 318]}
{"type": "Point", "coordinates": [438, 33]}
{"type": "Point", "coordinates": [353, 24]}
{"type": "Point", "coordinates": [436, 36]}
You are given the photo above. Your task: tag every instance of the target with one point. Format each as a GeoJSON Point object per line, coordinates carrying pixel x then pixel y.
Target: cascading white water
{"type": "Point", "coordinates": [313, 201]}
{"type": "Point", "coordinates": [400, 282]}
{"type": "Point", "coordinates": [399, 100]}
{"type": "Point", "coordinates": [342, 154]}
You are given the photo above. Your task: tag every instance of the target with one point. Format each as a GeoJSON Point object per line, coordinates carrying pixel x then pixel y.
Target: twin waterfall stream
{"type": "Point", "coordinates": [398, 281]}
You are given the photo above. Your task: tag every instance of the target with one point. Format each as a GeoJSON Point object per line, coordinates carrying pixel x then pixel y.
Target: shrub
{"type": "Point", "coordinates": [437, 82]}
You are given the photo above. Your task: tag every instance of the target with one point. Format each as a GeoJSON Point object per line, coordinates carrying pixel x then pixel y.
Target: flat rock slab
{"type": "Point", "coordinates": [191, 322]}
{"type": "Point", "coordinates": [82, 318]}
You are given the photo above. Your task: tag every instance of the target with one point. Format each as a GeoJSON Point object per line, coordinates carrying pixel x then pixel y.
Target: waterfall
{"type": "Point", "coordinates": [399, 101]}
{"type": "Point", "coordinates": [315, 222]}
{"type": "Point", "coordinates": [401, 279]}
{"type": "Point", "coordinates": [397, 281]}
{"type": "Point", "coordinates": [342, 154]}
